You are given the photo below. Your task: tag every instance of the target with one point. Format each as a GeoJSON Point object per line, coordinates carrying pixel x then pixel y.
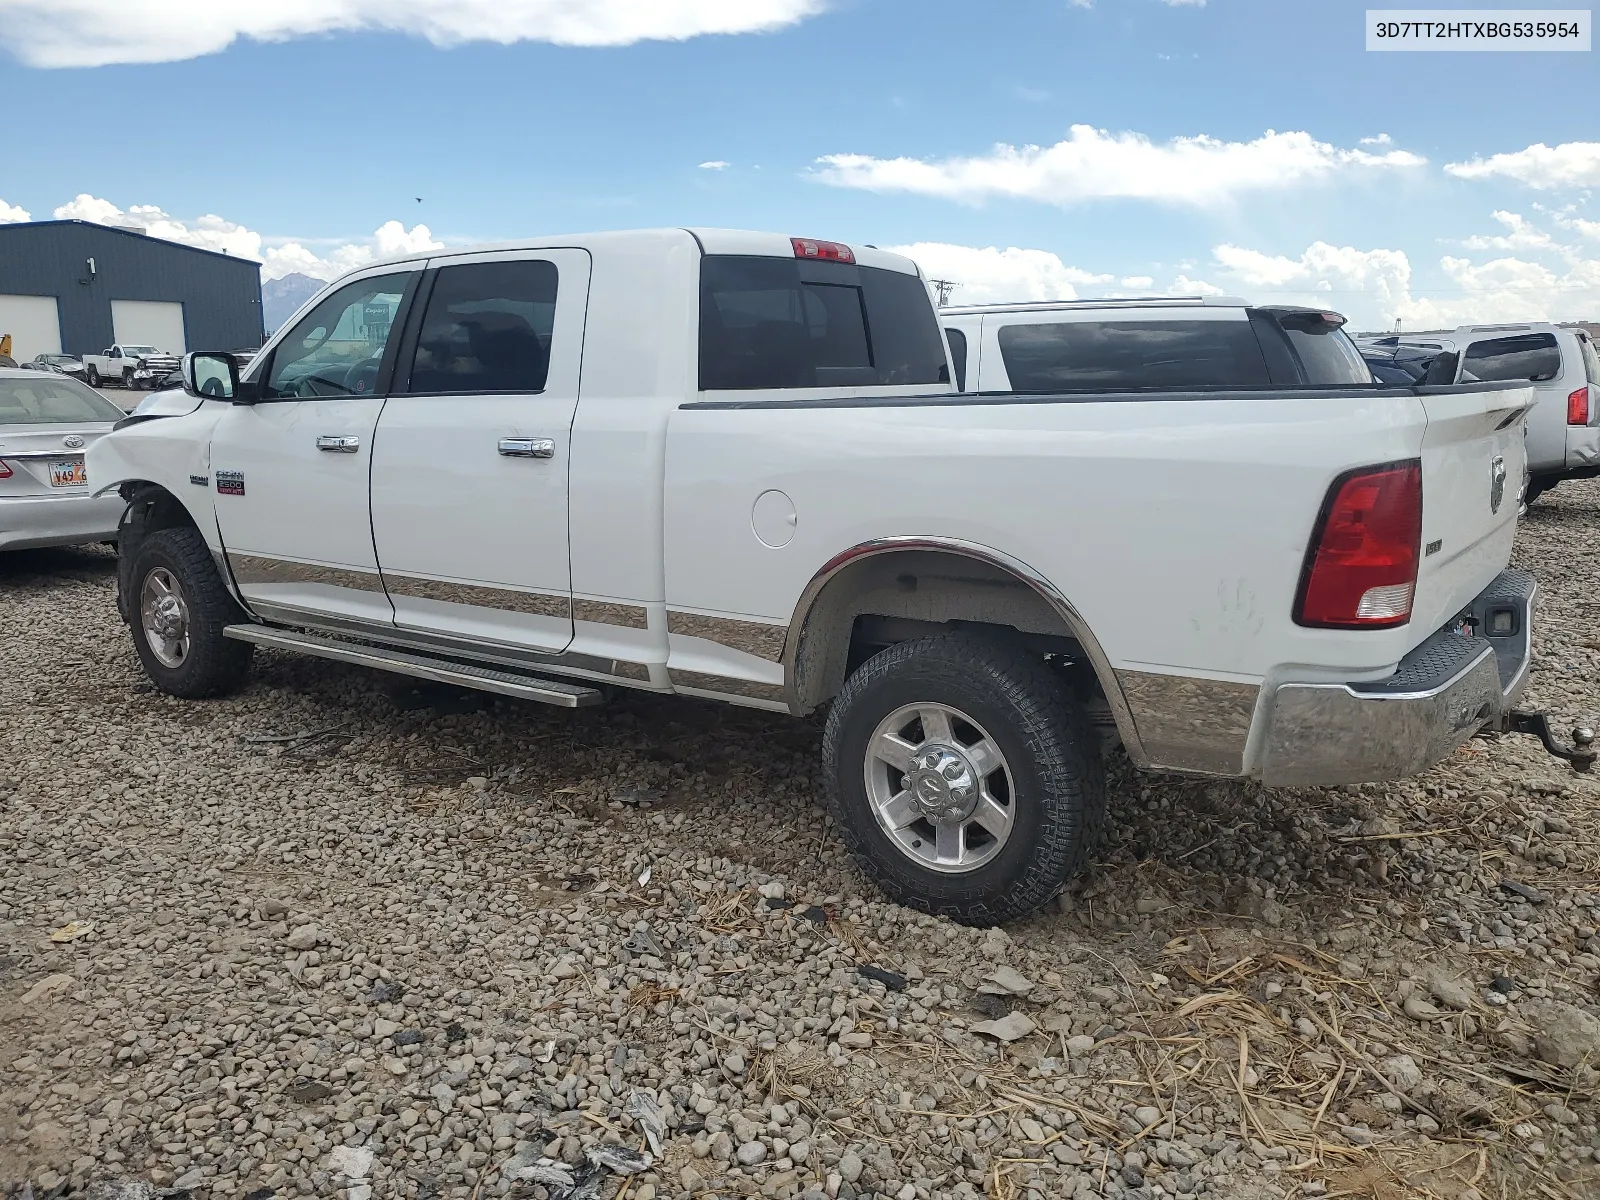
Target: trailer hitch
{"type": "Point", "coordinates": [1580, 756]}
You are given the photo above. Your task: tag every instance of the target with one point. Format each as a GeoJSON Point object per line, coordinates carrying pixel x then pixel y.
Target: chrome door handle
{"type": "Point", "coordinates": [528, 447]}
{"type": "Point", "coordinates": [339, 445]}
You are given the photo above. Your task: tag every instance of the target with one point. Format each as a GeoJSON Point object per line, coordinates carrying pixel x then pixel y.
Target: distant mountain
{"type": "Point", "coordinates": [281, 297]}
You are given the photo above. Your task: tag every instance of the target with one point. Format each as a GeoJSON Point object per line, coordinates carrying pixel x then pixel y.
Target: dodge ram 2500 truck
{"type": "Point", "coordinates": [733, 465]}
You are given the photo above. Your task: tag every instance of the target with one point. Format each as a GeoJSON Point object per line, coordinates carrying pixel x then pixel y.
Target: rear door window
{"type": "Point", "coordinates": [1123, 355]}
{"type": "Point", "coordinates": [487, 328]}
{"type": "Point", "coordinates": [779, 323]}
{"type": "Point", "coordinates": [1531, 356]}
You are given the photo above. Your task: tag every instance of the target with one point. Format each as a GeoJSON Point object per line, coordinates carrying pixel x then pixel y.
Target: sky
{"type": "Point", "coordinates": [1021, 149]}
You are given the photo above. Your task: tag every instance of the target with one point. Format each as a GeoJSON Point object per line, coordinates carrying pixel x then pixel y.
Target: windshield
{"type": "Point", "coordinates": [52, 399]}
{"type": "Point", "coordinates": [138, 349]}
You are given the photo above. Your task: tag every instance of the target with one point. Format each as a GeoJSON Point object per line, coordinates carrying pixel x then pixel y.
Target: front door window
{"type": "Point", "coordinates": [337, 348]}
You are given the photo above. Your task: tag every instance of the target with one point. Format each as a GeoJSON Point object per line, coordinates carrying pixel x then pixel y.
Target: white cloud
{"type": "Point", "coordinates": [1184, 3]}
{"type": "Point", "coordinates": [90, 33]}
{"type": "Point", "coordinates": [1137, 282]}
{"type": "Point", "coordinates": [1184, 286]}
{"type": "Point", "coordinates": [1323, 274]}
{"type": "Point", "coordinates": [1520, 235]}
{"type": "Point", "coordinates": [1382, 139]}
{"type": "Point", "coordinates": [1578, 225]}
{"type": "Point", "coordinates": [394, 239]}
{"type": "Point", "coordinates": [11, 214]}
{"type": "Point", "coordinates": [1092, 163]}
{"type": "Point", "coordinates": [278, 256]}
{"type": "Point", "coordinates": [716, 164]}
{"type": "Point", "coordinates": [989, 275]}
{"type": "Point", "coordinates": [1376, 287]}
{"type": "Point", "coordinates": [88, 208]}
{"type": "Point", "coordinates": [1569, 165]}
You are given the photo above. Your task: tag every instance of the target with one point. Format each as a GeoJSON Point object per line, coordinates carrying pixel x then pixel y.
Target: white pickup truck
{"type": "Point", "coordinates": [733, 465]}
{"type": "Point", "coordinates": [131, 366]}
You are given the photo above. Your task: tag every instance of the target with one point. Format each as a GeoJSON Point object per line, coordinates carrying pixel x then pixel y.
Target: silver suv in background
{"type": "Point", "coordinates": [1562, 364]}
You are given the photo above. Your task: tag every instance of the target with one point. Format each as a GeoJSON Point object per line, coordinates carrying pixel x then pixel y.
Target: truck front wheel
{"type": "Point", "coordinates": [178, 608]}
{"type": "Point", "coordinates": [964, 777]}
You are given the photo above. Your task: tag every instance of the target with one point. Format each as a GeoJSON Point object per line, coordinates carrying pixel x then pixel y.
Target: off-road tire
{"type": "Point", "coordinates": [215, 665]}
{"type": "Point", "coordinates": [1050, 748]}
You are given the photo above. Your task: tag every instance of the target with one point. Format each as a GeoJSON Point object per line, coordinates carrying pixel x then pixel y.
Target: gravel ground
{"type": "Point", "coordinates": [318, 940]}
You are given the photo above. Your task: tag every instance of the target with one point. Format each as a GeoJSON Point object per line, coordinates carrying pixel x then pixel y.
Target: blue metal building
{"type": "Point", "coordinates": [77, 287]}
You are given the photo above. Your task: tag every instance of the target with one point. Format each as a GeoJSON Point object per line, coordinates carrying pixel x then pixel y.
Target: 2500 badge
{"type": "Point", "coordinates": [230, 483]}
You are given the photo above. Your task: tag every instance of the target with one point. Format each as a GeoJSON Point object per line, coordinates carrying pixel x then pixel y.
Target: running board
{"type": "Point", "coordinates": [483, 679]}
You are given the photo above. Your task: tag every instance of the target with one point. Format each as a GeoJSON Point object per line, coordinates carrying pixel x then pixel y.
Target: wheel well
{"type": "Point", "coordinates": [877, 601]}
{"type": "Point", "coordinates": [151, 508]}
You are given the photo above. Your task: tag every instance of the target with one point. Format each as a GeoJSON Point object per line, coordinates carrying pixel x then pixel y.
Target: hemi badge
{"type": "Point", "coordinates": [199, 480]}
{"type": "Point", "coordinates": [230, 483]}
{"type": "Point", "coordinates": [1434, 547]}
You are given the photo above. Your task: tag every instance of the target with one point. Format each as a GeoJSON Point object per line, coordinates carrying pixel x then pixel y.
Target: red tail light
{"type": "Point", "coordinates": [823, 251]}
{"type": "Point", "coordinates": [1361, 570]}
{"type": "Point", "coordinates": [5, 471]}
{"type": "Point", "coordinates": [1578, 406]}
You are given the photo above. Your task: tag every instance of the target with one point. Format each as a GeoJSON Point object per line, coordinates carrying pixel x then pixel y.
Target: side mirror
{"type": "Point", "coordinates": [212, 377]}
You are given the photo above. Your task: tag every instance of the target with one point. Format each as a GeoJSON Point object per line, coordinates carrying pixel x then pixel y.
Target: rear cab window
{"type": "Point", "coordinates": [769, 322]}
{"type": "Point", "coordinates": [1535, 357]}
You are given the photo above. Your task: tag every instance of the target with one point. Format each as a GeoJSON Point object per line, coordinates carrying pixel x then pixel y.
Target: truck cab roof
{"type": "Point", "coordinates": [635, 241]}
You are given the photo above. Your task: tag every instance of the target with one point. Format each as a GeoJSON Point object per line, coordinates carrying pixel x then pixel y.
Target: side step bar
{"type": "Point", "coordinates": [483, 679]}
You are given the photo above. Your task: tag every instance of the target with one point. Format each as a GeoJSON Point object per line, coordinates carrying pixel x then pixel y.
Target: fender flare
{"type": "Point", "coordinates": [1069, 615]}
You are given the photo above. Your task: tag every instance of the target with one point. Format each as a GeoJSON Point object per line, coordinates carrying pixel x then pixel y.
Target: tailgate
{"type": "Point", "coordinates": [1473, 462]}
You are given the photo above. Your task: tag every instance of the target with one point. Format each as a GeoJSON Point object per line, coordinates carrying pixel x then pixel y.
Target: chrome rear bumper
{"type": "Point", "coordinates": [1442, 693]}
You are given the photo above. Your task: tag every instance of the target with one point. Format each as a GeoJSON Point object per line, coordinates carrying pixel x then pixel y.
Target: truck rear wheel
{"type": "Point", "coordinates": [178, 607]}
{"type": "Point", "coordinates": [94, 376]}
{"type": "Point", "coordinates": [964, 777]}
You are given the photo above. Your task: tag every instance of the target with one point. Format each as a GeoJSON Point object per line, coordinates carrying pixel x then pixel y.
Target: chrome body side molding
{"type": "Point", "coordinates": [539, 604]}
{"type": "Point", "coordinates": [770, 695]}
{"type": "Point", "coordinates": [1189, 724]}
{"type": "Point", "coordinates": [604, 612]}
{"type": "Point", "coordinates": [255, 568]}
{"type": "Point", "coordinates": [751, 637]}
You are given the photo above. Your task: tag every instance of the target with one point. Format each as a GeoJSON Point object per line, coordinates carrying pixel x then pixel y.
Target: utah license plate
{"type": "Point", "coordinates": [68, 473]}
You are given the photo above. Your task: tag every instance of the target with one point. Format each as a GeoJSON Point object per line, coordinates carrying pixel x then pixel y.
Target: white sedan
{"type": "Point", "coordinates": [47, 421]}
